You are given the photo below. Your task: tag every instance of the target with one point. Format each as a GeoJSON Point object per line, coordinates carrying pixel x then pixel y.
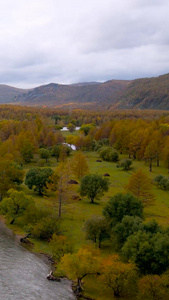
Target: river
{"type": "Point", "coordinates": [23, 274]}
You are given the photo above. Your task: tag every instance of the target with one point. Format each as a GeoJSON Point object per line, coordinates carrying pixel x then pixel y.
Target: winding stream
{"type": "Point", "coordinates": [23, 274]}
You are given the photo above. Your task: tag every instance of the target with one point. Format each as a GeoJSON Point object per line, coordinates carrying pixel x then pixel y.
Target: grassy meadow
{"type": "Point", "coordinates": [75, 213]}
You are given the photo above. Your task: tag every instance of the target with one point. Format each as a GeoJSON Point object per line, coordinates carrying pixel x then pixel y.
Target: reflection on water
{"type": "Point", "coordinates": [23, 274]}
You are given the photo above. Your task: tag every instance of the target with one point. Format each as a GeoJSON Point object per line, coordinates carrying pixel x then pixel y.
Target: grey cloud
{"type": "Point", "coordinates": [70, 41]}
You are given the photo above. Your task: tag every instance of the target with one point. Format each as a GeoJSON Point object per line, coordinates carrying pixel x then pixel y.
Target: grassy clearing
{"type": "Point", "coordinates": [75, 213]}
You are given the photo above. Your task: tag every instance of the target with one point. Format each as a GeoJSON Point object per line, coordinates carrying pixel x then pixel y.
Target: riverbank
{"type": "Point", "coordinates": [46, 258]}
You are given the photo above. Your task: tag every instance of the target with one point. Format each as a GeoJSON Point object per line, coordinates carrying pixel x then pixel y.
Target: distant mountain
{"type": "Point", "coordinates": [146, 93]}
{"type": "Point", "coordinates": [53, 94]}
{"type": "Point", "coordinates": [8, 93]}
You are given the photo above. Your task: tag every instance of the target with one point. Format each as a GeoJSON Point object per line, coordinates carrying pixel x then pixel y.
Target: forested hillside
{"type": "Point", "coordinates": [147, 93]}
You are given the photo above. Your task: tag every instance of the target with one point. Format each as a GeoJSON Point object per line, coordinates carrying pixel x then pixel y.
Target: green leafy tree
{"type": "Point", "coordinates": [37, 179]}
{"type": "Point", "coordinates": [93, 186]}
{"type": "Point", "coordinates": [109, 154]}
{"type": "Point", "coordinates": [56, 150]}
{"type": "Point", "coordinates": [125, 164]}
{"type": "Point", "coordinates": [71, 127]}
{"type": "Point", "coordinates": [56, 118]}
{"type": "Point", "coordinates": [11, 175]}
{"type": "Point", "coordinates": [127, 227]}
{"type": "Point", "coordinates": [44, 153]}
{"type": "Point", "coordinates": [46, 227]}
{"type": "Point", "coordinates": [97, 229]}
{"type": "Point", "coordinates": [15, 205]}
{"type": "Point", "coordinates": [86, 128]}
{"type": "Point", "coordinates": [122, 205]}
{"type": "Point", "coordinates": [148, 251]}
{"type": "Point", "coordinates": [162, 182]}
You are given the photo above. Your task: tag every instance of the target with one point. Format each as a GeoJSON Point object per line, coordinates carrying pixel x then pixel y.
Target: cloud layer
{"type": "Point", "coordinates": [73, 41]}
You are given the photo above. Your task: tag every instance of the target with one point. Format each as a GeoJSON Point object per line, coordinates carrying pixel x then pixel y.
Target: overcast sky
{"type": "Point", "coordinates": [68, 41]}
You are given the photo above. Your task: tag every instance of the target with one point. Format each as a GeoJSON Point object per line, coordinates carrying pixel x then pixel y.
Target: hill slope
{"type": "Point", "coordinates": [8, 93]}
{"type": "Point", "coordinates": [53, 94]}
{"type": "Point", "coordinates": [146, 93]}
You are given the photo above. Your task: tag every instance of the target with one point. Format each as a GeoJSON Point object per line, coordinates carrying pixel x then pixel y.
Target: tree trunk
{"type": "Point", "coordinates": [150, 166]}
{"type": "Point", "coordinates": [60, 205]}
{"type": "Point", "coordinates": [92, 200]}
{"type": "Point", "coordinates": [158, 160]}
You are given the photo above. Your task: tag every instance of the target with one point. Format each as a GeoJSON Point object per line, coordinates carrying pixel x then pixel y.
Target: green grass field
{"type": "Point", "coordinates": [75, 213]}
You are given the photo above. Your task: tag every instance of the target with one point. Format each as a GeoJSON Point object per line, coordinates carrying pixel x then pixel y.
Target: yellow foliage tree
{"type": "Point", "coordinates": [153, 287]}
{"type": "Point", "coordinates": [81, 264]}
{"type": "Point", "coordinates": [140, 186]}
{"type": "Point", "coordinates": [79, 165]}
{"type": "Point", "coordinates": [58, 182]}
{"type": "Point", "coordinates": [117, 275]}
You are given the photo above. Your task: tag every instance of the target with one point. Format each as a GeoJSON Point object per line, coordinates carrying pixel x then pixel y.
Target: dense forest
{"type": "Point", "coordinates": [99, 212]}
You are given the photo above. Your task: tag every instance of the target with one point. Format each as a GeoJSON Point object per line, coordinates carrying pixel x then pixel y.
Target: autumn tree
{"type": "Point", "coordinates": [81, 264]}
{"type": "Point", "coordinates": [58, 182]}
{"type": "Point", "coordinates": [158, 143]}
{"type": "Point", "coordinates": [140, 186]}
{"type": "Point", "coordinates": [79, 165]}
{"type": "Point", "coordinates": [153, 287]}
{"type": "Point", "coordinates": [93, 186]}
{"type": "Point", "coordinates": [27, 151]}
{"type": "Point", "coordinates": [60, 245]}
{"type": "Point", "coordinates": [165, 153]}
{"type": "Point", "coordinates": [117, 275]}
{"type": "Point", "coordinates": [150, 153]}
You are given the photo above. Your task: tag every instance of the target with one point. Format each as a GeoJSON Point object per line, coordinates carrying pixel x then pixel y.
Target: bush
{"type": "Point", "coordinates": [125, 164]}
{"type": "Point", "coordinates": [109, 154]}
{"type": "Point", "coordinates": [45, 228]}
{"type": "Point", "coordinates": [162, 182]}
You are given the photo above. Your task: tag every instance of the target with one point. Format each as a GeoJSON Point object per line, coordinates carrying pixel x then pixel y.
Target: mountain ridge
{"type": "Point", "coordinates": [142, 93]}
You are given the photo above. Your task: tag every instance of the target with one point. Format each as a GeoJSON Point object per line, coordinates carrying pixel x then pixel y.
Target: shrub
{"type": "Point", "coordinates": [109, 154]}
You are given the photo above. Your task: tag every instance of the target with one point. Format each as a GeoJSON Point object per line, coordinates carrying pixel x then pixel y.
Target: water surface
{"type": "Point", "coordinates": [23, 274]}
